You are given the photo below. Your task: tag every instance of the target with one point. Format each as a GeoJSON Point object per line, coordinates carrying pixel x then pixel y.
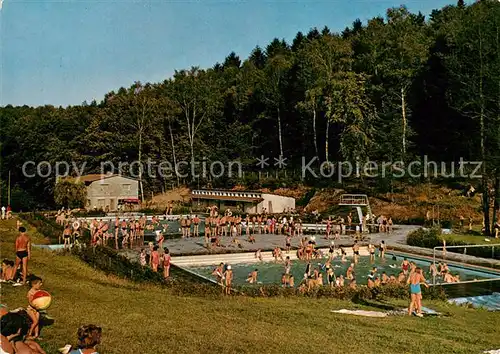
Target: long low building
{"type": "Point", "coordinates": [247, 202]}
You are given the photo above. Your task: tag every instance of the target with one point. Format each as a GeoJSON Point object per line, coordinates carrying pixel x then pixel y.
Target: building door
{"type": "Point", "coordinates": [112, 205]}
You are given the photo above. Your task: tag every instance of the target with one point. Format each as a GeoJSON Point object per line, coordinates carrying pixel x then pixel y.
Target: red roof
{"type": "Point", "coordinates": [130, 200]}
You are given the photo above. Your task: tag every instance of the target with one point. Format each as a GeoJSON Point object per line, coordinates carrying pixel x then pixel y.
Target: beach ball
{"type": "Point", "coordinates": [41, 300]}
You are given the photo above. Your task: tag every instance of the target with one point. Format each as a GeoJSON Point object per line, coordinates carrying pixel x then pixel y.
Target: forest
{"type": "Point", "coordinates": [396, 88]}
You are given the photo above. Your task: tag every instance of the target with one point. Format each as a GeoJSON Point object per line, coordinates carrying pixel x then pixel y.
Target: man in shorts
{"type": "Point", "coordinates": [23, 253]}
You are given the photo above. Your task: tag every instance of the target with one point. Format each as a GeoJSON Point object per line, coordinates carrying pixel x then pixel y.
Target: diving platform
{"type": "Point", "coordinates": [357, 201]}
{"type": "Point", "coordinates": [354, 200]}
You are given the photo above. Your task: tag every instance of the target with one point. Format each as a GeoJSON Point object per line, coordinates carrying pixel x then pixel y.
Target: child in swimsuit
{"type": "Point", "coordinates": [166, 263]}
{"type": "Point", "coordinates": [142, 258]}
{"type": "Point", "coordinates": [36, 284]}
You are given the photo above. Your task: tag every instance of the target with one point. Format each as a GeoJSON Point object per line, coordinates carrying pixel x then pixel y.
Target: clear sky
{"type": "Point", "coordinates": [63, 52]}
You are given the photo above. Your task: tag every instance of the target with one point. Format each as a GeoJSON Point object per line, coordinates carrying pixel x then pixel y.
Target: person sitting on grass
{"type": "Point", "coordinates": [89, 337]}
{"type": "Point", "coordinates": [13, 327]}
{"type": "Point", "coordinates": [8, 271]}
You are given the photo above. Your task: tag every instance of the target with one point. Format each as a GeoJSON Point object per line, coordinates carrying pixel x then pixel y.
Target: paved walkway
{"type": "Point", "coordinates": [195, 245]}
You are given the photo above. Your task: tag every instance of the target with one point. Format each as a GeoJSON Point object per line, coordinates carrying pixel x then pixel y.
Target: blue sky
{"type": "Point", "coordinates": [68, 51]}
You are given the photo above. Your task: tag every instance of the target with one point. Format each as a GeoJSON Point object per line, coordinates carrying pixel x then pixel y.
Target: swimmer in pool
{"type": "Point", "coordinates": [252, 277]}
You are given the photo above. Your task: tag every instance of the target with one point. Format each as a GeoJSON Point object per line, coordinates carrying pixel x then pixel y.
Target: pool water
{"type": "Point", "coordinates": [490, 302]}
{"type": "Point", "coordinates": [271, 272]}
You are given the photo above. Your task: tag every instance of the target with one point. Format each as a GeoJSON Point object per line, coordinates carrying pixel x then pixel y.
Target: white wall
{"type": "Point", "coordinates": [107, 192]}
{"type": "Point", "coordinates": [278, 203]}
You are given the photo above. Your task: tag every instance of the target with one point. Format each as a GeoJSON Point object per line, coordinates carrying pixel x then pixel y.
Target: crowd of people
{"type": "Point", "coordinates": [6, 212]}
{"type": "Point", "coordinates": [21, 328]}
{"type": "Point", "coordinates": [324, 274]}
{"type": "Point", "coordinates": [15, 327]}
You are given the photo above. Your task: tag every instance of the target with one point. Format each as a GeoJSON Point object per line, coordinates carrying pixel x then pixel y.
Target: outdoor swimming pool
{"type": "Point", "coordinates": [271, 272]}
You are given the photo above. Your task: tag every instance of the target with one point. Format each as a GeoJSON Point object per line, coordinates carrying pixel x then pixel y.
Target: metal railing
{"type": "Point", "coordinates": [354, 199]}
{"type": "Point", "coordinates": [443, 253]}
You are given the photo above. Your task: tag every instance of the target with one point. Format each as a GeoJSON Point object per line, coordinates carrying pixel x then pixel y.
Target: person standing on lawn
{"type": "Point", "coordinates": [23, 253]}
{"type": "Point", "coordinates": [415, 280]}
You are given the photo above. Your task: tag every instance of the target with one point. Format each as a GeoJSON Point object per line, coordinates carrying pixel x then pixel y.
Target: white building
{"type": "Point", "coordinates": [108, 192]}
{"type": "Point", "coordinates": [247, 202]}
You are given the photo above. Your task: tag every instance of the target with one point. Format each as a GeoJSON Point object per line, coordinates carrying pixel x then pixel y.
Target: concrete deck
{"type": "Point", "coordinates": [195, 245]}
{"type": "Point", "coordinates": [268, 242]}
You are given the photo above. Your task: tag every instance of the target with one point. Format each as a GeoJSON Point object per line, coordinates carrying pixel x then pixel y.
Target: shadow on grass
{"type": "Point", "coordinates": [382, 305]}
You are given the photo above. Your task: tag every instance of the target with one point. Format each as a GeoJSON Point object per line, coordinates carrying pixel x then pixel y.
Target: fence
{"type": "Point", "coordinates": [461, 260]}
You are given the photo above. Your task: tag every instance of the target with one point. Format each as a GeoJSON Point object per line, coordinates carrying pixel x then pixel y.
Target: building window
{"type": "Point", "coordinates": [126, 187]}
{"type": "Point", "coordinates": [104, 188]}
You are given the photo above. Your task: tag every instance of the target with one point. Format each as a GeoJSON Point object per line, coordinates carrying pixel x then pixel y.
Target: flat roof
{"type": "Point", "coordinates": [224, 197]}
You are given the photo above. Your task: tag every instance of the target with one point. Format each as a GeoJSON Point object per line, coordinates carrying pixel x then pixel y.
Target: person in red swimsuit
{"type": "Point", "coordinates": [155, 259]}
{"type": "Point", "coordinates": [405, 266]}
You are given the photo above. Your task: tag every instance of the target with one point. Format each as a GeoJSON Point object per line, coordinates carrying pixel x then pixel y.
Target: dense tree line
{"type": "Point", "coordinates": [393, 89]}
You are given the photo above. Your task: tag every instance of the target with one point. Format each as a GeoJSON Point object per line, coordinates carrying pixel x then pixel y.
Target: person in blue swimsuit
{"type": "Point", "coordinates": [414, 280]}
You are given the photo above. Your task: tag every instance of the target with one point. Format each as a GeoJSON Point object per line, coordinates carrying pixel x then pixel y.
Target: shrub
{"type": "Point", "coordinates": [90, 213]}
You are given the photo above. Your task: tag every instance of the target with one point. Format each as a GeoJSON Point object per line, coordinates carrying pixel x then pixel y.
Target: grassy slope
{"type": "Point", "coordinates": [472, 239]}
{"type": "Point", "coordinates": [147, 319]}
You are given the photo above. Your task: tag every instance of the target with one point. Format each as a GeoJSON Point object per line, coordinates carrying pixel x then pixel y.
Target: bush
{"type": "Point", "coordinates": [90, 213]}
{"type": "Point", "coordinates": [398, 291]}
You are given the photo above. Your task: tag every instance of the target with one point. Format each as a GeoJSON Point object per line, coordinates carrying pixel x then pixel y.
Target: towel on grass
{"type": "Point", "coordinates": [362, 313]}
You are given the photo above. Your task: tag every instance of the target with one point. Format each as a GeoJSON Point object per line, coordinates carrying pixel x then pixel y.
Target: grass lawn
{"type": "Point", "coordinates": [147, 319]}
{"type": "Point", "coordinates": [473, 239]}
